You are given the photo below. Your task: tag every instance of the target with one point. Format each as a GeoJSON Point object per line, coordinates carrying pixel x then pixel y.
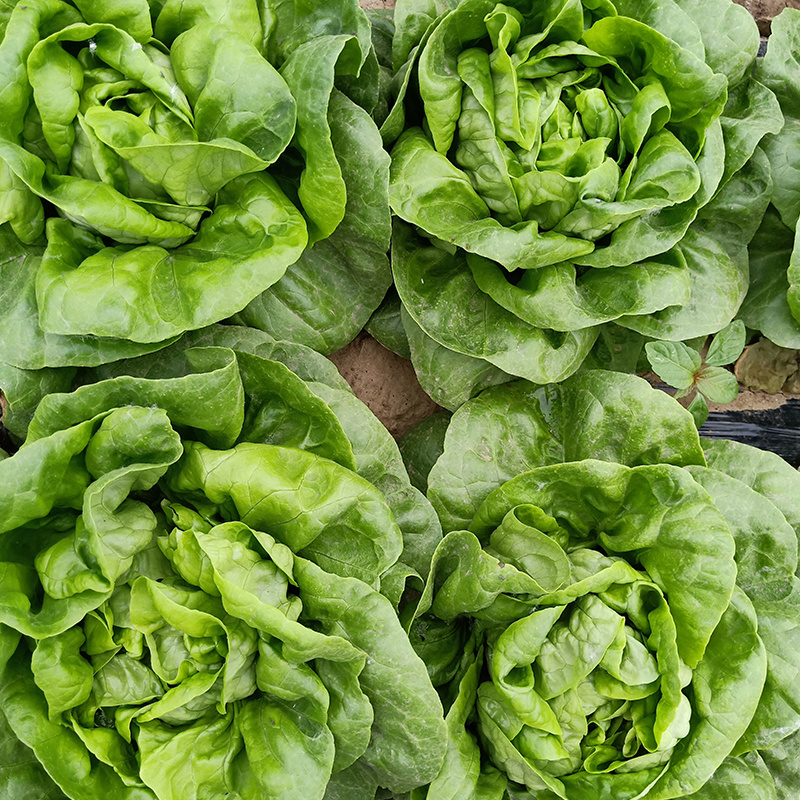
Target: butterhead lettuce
{"type": "Point", "coordinates": [567, 165]}
{"type": "Point", "coordinates": [613, 611]}
{"type": "Point", "coordinates": [163, 164]}
{"type": "Point", "coordinates": [198, 553]}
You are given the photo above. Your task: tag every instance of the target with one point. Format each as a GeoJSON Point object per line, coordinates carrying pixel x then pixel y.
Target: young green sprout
{"type": "Point", "coordinates": [690, 373]}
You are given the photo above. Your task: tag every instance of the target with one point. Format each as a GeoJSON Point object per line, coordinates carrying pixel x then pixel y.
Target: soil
{"type": "Point", "coordinates": [385, 382]}
{"type": "Point", "coordinates": [747, 400]}
{"type": "Point", "coordinates": [765, 10]}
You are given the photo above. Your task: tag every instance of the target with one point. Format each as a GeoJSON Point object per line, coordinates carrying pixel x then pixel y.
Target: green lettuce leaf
{"type": "Point", "coordinates": [170, 164]}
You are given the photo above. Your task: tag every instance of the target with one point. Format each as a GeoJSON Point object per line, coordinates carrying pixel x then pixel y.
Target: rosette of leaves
{"type": "Point", "coordinates": [196, 550]}
{"type": "Point", "coordinates": [165, 164]}
{"type": "Point", "coordinates": [566, 165]}
{"type": "Point", "coordinates": [613, 611]}
{"type": "Point", "coordinates": [772, 305]}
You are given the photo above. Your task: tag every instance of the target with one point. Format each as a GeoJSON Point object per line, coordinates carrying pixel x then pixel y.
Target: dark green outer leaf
{"type": "Point", "coordinates": [303, 361]}
{"type": "Point", "coordinates": [357, 782]}
{"type": "Point", "coordinates": [699, 410]}
{"type": "Point", "coordinates": [617, 349]}
{"type": "Point", "coordinates": [781, 152]}
{"type": "Point", "coordinates": [395, 121]}
{"type": "Point", "coordinates": [22, 777]}
{"type": "Point", "coordinates": [326, 297]}
{"type": "Point", "coordinates": [735, 213]}
{"type": "Point", "coordinates": [386, 326]}
{"type": "Point", "coordinates": [766, 308]}
{"type": "Point", "coordinates": [422, 445]}
{"type": "Point", "coordinates": [282, 410]}
{"type": "Point", "coordinates": [449, 378]}
{"type": "Point", "coordinates": [382, 26]}
{"type": "Point", "coordinates": [24, 389]}
{"type": "Point", "coordinates": [461, 777]}
{"type": "Point", "coordinates": [295, 23]}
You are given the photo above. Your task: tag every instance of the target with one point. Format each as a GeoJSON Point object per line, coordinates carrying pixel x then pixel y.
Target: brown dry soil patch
{"type": "Point", "coordinates": [385, 382]}
{"type": "Point", "coordinates": [765, 10]}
